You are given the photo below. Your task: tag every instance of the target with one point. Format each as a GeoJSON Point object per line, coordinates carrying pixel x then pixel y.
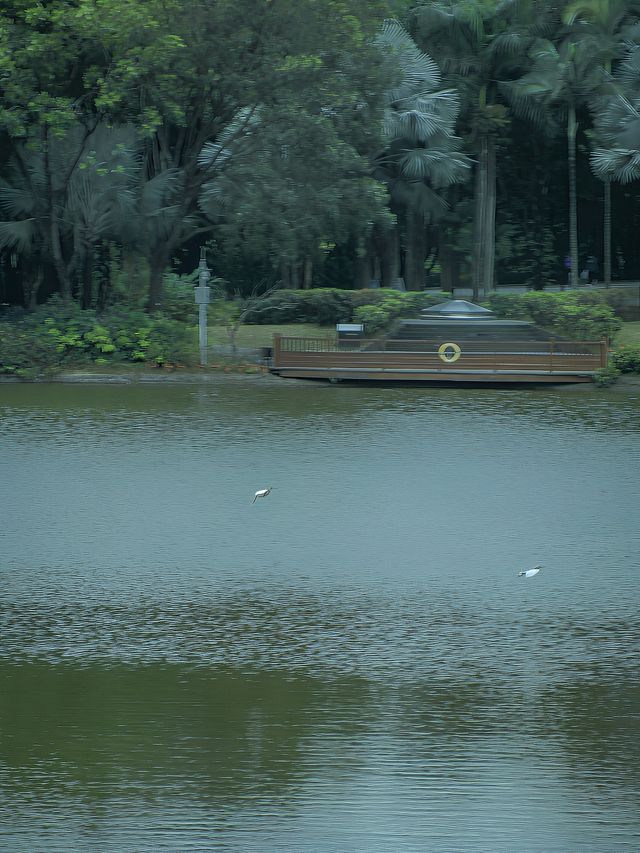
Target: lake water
{"type": "Point", "coordinates": [351, 664]}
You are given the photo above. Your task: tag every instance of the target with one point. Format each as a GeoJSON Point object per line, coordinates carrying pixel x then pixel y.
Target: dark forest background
{"type": "Point", "coordinates": [315, 143]}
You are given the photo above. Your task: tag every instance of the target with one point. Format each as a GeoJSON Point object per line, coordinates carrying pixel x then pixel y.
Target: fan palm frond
{"type": "Point", "coordinates": [218, 153]}
{"type": "Point", "coordinates": [510, 43]}
{"type": "Point", "coordinates": [416, 67]}
{"type": "Point", "coordinates": [628, 71]}
{"type": "Point", "coordinates": [16, 200]}
{"type": "Point", "coordinates": [440, 166]}
{"type": "Point", "coordinates": [616, 164]}
{"type": "Point", "coordinates": [157, 192]}
{"type": "Point", "coordinates": [18, 235]}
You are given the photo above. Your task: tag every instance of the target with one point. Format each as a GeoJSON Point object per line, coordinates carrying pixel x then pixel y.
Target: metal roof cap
{"type": "Point", "coordinates": [458, 309]}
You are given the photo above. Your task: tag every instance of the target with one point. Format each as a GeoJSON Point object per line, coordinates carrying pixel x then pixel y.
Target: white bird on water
{"type": "Point", "coordinates": [261, 493]}
{"type": "Point", "coordinates": [530, 572]}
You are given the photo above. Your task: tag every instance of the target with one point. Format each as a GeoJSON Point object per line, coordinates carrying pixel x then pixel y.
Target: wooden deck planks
{"type": "Point", "coordinates": [322, 358]}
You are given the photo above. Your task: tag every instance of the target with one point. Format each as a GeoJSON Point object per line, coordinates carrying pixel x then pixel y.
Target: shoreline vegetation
{"type": "Point", "coordinates": [60, 340]}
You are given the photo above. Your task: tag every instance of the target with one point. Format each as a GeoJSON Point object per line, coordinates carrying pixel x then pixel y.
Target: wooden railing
{"type": "Point", "coordinates": [524, 356]}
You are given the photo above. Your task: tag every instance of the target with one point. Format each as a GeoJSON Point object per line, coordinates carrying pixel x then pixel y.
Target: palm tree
{"type": "Point", "coordinates": [422, 153]}
{"type": "Point", "coordinates": [100, 199]}
{"type": "Point", "coordinates": [62, 199]}
{"type": "Point", "coordinates": [608, 25]}
{"type": "Point", "coordinates": [477, 43]}
{"type": "Point", "coordinates": [565, 78]}
{"type": "Point", "coordinates": [22, 194]}
{"type": "Point", "coordinates": [616, 154]}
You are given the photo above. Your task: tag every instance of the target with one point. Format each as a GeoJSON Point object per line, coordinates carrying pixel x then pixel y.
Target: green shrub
{"type": "Point", "coordinates": [23, 354]}
{"type": "Point", "coordinates": [170, 342]}
{"type": "Point", "coordinates": [328, 306]}
{"type": "Point", "coordinates": [626, 358]}
{"type": "Point", "coordinates": [571, 314]}
{"type": "Point", "coordinates": [59, 334]}
{"type": "Point", "coordinates": [606, 376]}
{"type": "Point", "coordinates": [374, 317]}
{"type": "Point", "coordinates": [388, 305]}
{"type": "Point", "coordinates": [508, 306]}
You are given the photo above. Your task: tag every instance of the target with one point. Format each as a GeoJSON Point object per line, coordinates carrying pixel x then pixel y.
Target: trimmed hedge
{"type": "Point", "coordinates": [328, 306]}
{"type": "Point", "coordinates": [573, 314]}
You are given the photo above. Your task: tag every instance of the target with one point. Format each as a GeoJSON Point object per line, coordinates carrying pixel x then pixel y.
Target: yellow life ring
{"type": "Point", "coordinates": [445, 353]}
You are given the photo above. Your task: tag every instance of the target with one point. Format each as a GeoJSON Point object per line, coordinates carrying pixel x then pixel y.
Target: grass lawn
{"type": "Point", "coordinates": [262, 336]}
{"type": "Point", "coordinates": [629, 334]}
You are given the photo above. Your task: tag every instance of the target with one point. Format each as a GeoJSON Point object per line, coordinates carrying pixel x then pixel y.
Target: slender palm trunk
{"type": "Point", "coordinates": [390, 260]}
{"type": "Point", "coordinates": [53, 235]}
{"type": "Point", "coordinates": [484, 219]}
{"type": "Point", "coordinates": [449, 266]}
{"type": "Point", "coordinates": [87, 277]}
{"type": "Point", "coordinates": [377, 269]}
{"type": "Point", "coordinates": [489, 220]}
{"type": "Point", "coordinates": [607, 233]}
{"type": "Point", "coordinates": [157, 265]}
{"type": "Point", "coordinates": [572, 129]}
{"type": "Point", "coordinates": [31, 286]}
{"type": "Point", "coordinates": [415, 251]}
{"type": "Point", "coordinates": [294, 275]}
{"type": "Point", "coordinates": [58, 260]}
{"type": "Point", "coordinates": [284, 274]}
{"type": "Point", "coordinates": [307, 273]}
{"type": "Point", "coordinates": [363, 269]}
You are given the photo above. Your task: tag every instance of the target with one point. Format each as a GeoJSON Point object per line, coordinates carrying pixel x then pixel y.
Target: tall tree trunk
{"type": "Point", "coordinates": [415, 251]}
{"type": "Point", "coordinates": [377, 268]}
{"type": "Point", "coordinates": [53, 235]}
{"type": "Point", "coordinates": [58, 260]}
{"type": "Point", "coordinates": [362, 264]}
{"type": "Point", "coordinates": [87, 277]}
{"type": "Point", "coordinates": [104, 281]}
{"type": "Point", "coordinates": [294, 275]}
{"type": "Point", "coordinates": [572, 129]}
{"type": "Point", "coordinates": [30, 289]}
{"type": "Point", "coordinates": [607, 233]}
{"type": "Point", "coordinates": [307, 274]}
{"type": "Point", "coordinates": [285, 274]}
{"type": "Point", "coordinates": [449, 266]}
{"type": "Point", "coordinates": [390, 259]}
{"type": "Point", "coordinates": [157, 265]}
{"type": "Point", "coordinates": [480, 205]}
{"type": "Point", "coordinates": [489, 220]}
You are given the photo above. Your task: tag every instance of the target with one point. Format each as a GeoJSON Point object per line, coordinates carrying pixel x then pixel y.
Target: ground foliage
{"type": "Point", "coordinates": [60, 334]}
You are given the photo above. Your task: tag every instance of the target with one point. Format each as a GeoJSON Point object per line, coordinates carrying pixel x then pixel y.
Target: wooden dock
{"type": "Point", "coordinates": [388, 360]}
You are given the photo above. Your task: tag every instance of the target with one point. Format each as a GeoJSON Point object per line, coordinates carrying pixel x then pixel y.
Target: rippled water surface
{"type": "Point", "coordinates": [351, 663]}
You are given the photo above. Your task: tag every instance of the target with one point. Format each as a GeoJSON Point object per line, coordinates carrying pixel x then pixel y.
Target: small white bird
{"type": "Point", "coordinates": [530, 572]}
{"type": "Point", "coordinates": [261, 493]}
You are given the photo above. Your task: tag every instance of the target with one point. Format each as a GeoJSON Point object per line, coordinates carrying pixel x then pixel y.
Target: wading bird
{"type": "Point", "coordinates": [530, 572]}
{"type": "Point", "coordinates": [261, 493]}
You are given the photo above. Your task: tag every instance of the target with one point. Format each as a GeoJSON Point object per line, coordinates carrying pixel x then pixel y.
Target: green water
{"type": "Point", "coordinates": [349, 664]}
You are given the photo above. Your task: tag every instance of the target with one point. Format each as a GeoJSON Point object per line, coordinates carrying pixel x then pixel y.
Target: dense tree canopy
{"type": "Point", "coordinates": [314, 142]}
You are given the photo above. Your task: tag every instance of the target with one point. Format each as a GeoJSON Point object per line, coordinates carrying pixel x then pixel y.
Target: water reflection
{"type": "Point", "coordinates": [275, 402]}
{"type": "Point", "coordinates": [229, 750]}
{"type": "Point", "coordinates": [350, 665]}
